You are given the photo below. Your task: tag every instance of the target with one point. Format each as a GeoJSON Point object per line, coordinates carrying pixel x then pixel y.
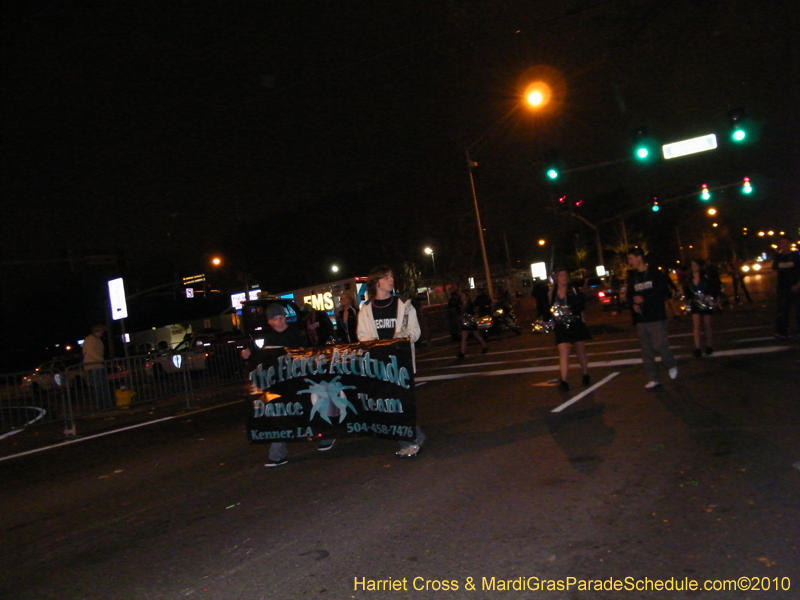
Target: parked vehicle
{"type": "Point", "coordinates": [503, 319]}
{"type": "Point", "coordinates": [215, 352]}
{"type": "Point", "coordinates": [59, 374]}
{"type": "Point", "coordinates": [189, 355]}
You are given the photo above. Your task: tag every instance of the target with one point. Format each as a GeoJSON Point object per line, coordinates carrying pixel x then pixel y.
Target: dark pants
{"type": "Point", "coordinates": [787, 302]}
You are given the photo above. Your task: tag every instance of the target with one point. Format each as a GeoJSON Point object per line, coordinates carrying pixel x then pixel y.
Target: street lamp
{"type": "Point", "coordinates": [218, 262]}
{"type": "Point", "coordinates": [335, 268]}
{"type": "Point", "coordinates": [429, 252]}
{"type": "Point", "coordinates": [536, 96]}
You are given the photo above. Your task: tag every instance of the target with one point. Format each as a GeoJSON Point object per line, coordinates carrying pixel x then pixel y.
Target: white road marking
{"type": "Point", "coordinates": [606, 363]}
{"type": "Point", "coordinates": [113, 431]}
{"type": "Point", "coordinates": [588, 390]}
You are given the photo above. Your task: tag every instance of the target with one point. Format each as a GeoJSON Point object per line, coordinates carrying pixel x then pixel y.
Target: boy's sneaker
{"type": "Point", "coordinates": [651, 385]}
{"type": "Point", "coordinates": [697, 353]}
{"type": "Point", "coordinates": [277, 463]}
{"type": "Point", "coordinates": [673, 372]}
{"type": "Point", "coordinates": [326, 445]}
{"type": "Point", "coordinates": [709, 351]}
{"type": "Point", "coordinates": [586, 380]}
{"type": "Point", "coordinates": [409, 451]}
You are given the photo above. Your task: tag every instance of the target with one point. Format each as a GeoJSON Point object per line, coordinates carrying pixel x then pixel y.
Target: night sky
{"type": "Point", "coordinates": [291, 135]}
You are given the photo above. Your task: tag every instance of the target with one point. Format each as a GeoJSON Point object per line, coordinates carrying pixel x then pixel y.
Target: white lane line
{"type": "Point", "coordinates": [113, 431]}
{"type": "Point", "coordinates": [40, 412]}
{"type": "Point", "coordinates": [602, 363]}
{"type": "Point", "coordinates": [588, 390]}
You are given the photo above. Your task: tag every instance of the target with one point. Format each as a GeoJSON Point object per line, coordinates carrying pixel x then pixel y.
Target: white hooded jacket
{"type": "Point", "coordinates": [407, 325]}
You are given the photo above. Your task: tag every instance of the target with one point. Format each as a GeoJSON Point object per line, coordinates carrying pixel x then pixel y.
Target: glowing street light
{"type": "Point", "coordinates": [335, 268]}
{"type": "Point", "coordinates": [429, 252]}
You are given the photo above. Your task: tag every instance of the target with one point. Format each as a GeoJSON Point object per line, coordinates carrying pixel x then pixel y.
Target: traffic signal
{"type": "Point", "coordinates": [739, 125]}
{"type": "Point", "coordinates": [655, 206]}
{"type": "Point", "coordinates": [552, 165]}
{"type": "Point", "coordinates": [704, 193]}
{"type": "Point", "coordinates": [643, 146]}
{"type": "Point", "coordinates": [746, 187]}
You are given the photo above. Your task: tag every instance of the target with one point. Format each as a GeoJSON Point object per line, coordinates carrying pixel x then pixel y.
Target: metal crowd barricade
{"type": "Point", "coordinates": [124, 383]}
{"type": "Point", "coordinates": [19, 406]}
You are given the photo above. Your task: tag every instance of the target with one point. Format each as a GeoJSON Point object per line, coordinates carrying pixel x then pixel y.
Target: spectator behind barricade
{"type": "Point", "coordinates": [280, 333]}
{"type": "Point", "coordinates": [347, 318]}
{"type": "Point", "coordinates": [94, 351]}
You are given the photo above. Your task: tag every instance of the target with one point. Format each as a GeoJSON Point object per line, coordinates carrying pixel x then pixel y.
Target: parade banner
{"type": "Point", "coordinates": [332, 392]}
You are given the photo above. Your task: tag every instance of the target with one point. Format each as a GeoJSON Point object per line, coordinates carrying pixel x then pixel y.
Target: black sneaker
{"type": "Point", "coordinates": [563, 386]}
{"type": "Point", "coordinates": [485, 350]}
{"type": "Point", "coordinates": [586, 380]}
{"type": "Point", "coordinates": [697, 353]}
{"type": "Point", "coordinates": [326, 445]}
{"type": "Point", "coordinates": [277, 463]}
{"type": "Point", "coordinates": [709, 351]}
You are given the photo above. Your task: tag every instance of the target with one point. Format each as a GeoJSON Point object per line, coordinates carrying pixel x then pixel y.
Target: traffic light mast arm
{"type": "Point", "coordinates": [663, 202]}
{"type": "Point", "coordinates": [597, 165]}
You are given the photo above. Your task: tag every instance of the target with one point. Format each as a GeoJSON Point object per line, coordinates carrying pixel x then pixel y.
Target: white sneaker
{"type": "Point", "coordinates": [673, 372]}
{"type": "Point", "coordinates": [652, 385]}
{"type": "Point", "coordinates": [409, 451]}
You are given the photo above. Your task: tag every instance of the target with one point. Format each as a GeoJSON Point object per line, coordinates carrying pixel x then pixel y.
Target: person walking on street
{"type": "Point", "coordinates": [737, 280]}
{"type": "Point", "coordinates": [384, 316]}
{"type": "Point", "coordinates": [567, 305]}
{"type": "Point", "coordinates": [787, 265]}
{"type": "Point", "coordinates": [701, 290]}
{"type": "Point", "coordinates": [647, 292]}
{"type": "Point", "coordinates": [280, 333]}
{"type": "Point", "coordinates": [347, 318]}
{"type": "Point", "coordinates": [94, 351]}
{"type": "Point", "coordinates": [467, 312]}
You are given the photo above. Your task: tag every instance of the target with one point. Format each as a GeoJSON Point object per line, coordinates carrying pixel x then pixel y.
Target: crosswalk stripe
{"type": "Point", "coordinates": [607, 363]}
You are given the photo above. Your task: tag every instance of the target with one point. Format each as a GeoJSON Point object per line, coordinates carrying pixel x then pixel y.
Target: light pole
{"type": "Point", "coordinates": [534, 96]}
{"type": "Point", "coordinates": [487, 273]}
{"type": "Point", "coordinates": [429, 252]}
{"type": "Point", "coordinates": [218, 262]}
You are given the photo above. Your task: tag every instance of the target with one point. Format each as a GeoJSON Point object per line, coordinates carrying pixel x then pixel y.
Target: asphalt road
{"type": "Point", "coordinates": [697, 481]}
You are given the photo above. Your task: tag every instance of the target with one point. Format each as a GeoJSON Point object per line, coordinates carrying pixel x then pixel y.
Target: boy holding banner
{"type": "Point", "coordinates": [383, 317]}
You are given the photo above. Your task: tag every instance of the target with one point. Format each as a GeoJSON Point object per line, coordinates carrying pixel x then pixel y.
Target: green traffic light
{"type": "Point", "coordinates": [642, 152]}
{"type": "Point", "coordinates": [739, 135]}
{"type": "Point", "coordinates": [552, 173]}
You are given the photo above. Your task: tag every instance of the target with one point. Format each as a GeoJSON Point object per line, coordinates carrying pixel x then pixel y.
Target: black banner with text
{"type": "Point", "coordinates": [333, 391]}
